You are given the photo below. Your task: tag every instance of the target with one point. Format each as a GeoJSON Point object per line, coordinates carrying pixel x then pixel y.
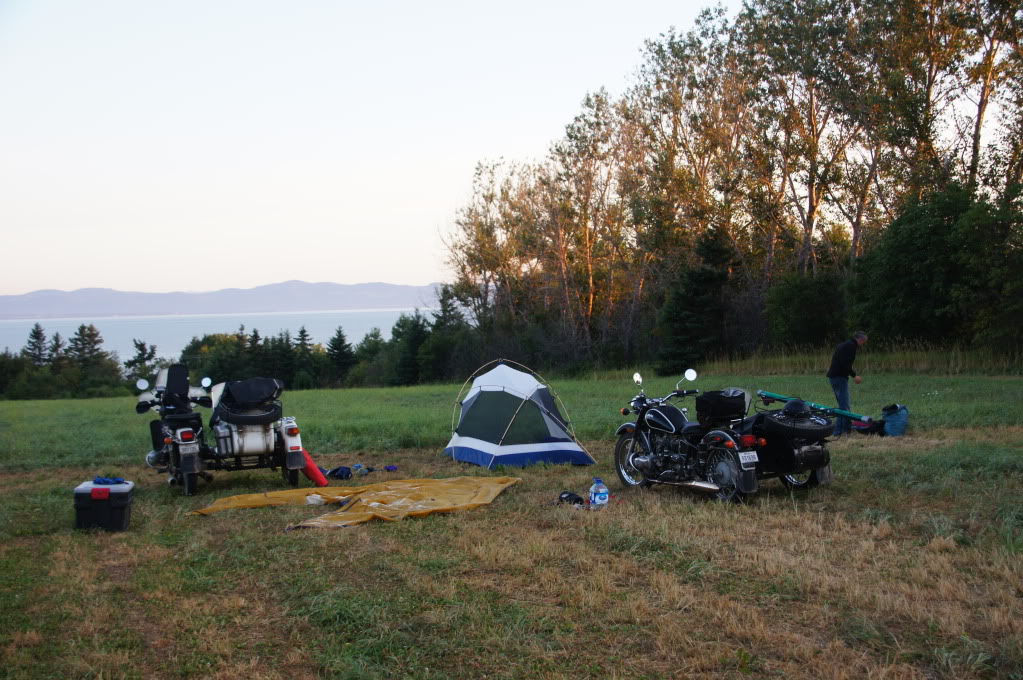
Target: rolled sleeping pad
{"type": "Point", "coordinates": [830, 409]}
{"type": "Point", "coordinates": [312, 470]}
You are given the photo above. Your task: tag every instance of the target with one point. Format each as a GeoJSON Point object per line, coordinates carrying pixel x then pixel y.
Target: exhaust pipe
{"type": "Point", "coordinates": [697, 485]}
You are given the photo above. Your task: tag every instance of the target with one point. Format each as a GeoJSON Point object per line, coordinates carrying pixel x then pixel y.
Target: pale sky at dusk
{"type": "Point", "coordinates": [160, 146]}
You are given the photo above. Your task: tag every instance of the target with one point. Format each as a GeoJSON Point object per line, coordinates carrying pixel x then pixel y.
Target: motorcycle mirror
{"type": "Point", "coordinates": [206, 382]}
{"type": "Point", "coordinates": [638, 379]}
{"type": "Point", "coordinates": [690, 374]}
{"type": "Point", "coordinates": [142, 384]}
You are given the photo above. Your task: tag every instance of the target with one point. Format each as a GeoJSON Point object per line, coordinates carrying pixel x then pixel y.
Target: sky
{"type": "Point", "coordinates": [168, 146]}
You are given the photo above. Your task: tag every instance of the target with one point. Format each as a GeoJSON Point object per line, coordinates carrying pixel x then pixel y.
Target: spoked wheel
{"type": "Point", "coordinates": [290, 476]}
{"type": "Point", "coordinates": [723, 470]}
{"type": "Point", "coordinates": [800, 480]}
{"type": "Point", "coordinates": [627, 472]}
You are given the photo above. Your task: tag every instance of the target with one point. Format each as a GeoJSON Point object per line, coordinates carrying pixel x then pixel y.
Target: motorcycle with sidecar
{"type": "Point", "coordinates": [723, 453]}
{"type": "Point", "coordinates": [249, 429]}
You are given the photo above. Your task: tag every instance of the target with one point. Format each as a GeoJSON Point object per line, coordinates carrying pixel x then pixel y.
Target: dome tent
{"type": "Point", "coordinates": [509, 417]}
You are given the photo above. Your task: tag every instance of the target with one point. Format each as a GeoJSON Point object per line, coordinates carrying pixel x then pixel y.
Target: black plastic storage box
{"type": "Point", "coordinates": [103, 506]}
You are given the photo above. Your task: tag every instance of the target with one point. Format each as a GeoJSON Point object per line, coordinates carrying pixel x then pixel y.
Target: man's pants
{"type": "Point", "coordinates": [841, 389]}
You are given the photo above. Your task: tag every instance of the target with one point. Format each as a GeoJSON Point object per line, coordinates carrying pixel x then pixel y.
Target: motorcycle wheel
{"type": "Point", "coordinates": [290, 476]}
{"type": "Point", "coordinates": [800, 480]}
{"type": "Point", "coordinates": [189, 480]}
{"type": "Point", "coordinates": [627, 474]}
{"type": "Point", "coordinates": [722, 470]}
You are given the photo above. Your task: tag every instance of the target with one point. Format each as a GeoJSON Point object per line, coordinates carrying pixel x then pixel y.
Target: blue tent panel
{"type": "Point", "coordinates": [485, 454]}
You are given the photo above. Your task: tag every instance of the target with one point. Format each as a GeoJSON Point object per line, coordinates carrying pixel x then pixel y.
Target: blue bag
{"type": "Point", "coordinates": [896, 419]}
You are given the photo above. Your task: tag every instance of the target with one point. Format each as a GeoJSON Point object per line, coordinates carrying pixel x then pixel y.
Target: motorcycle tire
{"type": "Point", "coordinates": [723, 469]}
{"type": "Point", "coordinates": [627, 474]}
{"type": "Point", "coordinates": [814, 428]}
{"type": "Point", "coordinates": [189, 481]}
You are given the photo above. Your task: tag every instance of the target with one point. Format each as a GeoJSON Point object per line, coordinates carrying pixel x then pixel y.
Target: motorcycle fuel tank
{"type": "Point", "coordinates": [666, 418]}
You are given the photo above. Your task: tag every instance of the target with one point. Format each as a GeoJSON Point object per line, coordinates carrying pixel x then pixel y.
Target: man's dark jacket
{"type": "Point", "coordinates": [842, 360]}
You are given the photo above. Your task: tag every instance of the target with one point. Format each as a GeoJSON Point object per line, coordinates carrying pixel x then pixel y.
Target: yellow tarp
{"type": "Point", "coordinates": [389, 501]}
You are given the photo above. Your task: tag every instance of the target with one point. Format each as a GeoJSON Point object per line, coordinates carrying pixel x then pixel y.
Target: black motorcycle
{"type": "Point", "coordinates": [723, 453]}
{"type": "Point", "coordinates": [662, 446]}
{"type": "Point", "coordinates": [248, 426]}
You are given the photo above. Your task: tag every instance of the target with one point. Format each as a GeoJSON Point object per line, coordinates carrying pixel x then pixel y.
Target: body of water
{"type": "Point", "coordinates": [170, 334]}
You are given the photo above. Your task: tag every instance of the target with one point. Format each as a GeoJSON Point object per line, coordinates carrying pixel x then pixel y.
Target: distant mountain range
{"type": "Point", "coordinates": [275, 297]}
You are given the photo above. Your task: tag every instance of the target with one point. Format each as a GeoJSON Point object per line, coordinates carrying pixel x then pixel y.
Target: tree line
{"type": "Point", "coordinates": [422, 348]}
{"type": "Point", "coordinates": [778, 177]}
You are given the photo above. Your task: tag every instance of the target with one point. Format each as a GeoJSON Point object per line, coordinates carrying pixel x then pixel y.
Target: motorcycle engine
{"type": "Point", "coordinates": [668, 459]}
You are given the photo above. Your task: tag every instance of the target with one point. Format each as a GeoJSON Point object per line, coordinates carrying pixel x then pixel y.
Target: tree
{"type": "Point", "coordinates": [370, 346]}
{"type": "Point", "coordinates": [56, 349]}
{"type": "Point", "coordinates": [914, 283]}
{"type": "Point", "coordinates": [35, 350]}
{"type": "Point", "coordinates": [85, 346]}
{"type": "Point", "coordinates": [142, 364]}
{"type": "Point", "coordinates": [691, 323]}
{"type": "Point", "coordinates": [93, 371]}
{"type": "Point", "coordinates": [342, 356]}
{"type": "Point", "coordinates": [409, 333]}
{"type": "Point", "coordinates": [807, 310]}
{"type": "Point", "coordinates": [448, 339]}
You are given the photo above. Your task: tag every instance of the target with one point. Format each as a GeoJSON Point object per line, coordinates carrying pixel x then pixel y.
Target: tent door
{"type": "Point", "coordinates": [510, 421]}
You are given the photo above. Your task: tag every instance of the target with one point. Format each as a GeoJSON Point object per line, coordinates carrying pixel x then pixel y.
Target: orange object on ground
{"type": "Point", "coordinates": [312, 470]}
{"type": "Point", "coordinates": [391, 501]}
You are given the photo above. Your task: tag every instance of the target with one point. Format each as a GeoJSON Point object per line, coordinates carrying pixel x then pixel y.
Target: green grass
{"type": "Point", "coordinates": [106, 433]}
{"type": "Point", "coordinates": [908, 566]}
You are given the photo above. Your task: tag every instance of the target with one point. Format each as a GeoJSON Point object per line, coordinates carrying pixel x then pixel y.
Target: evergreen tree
{"type": "Point", "coordinates": [407, 337]}
{"type": "Point", "coordinates": [449, 338]}
{"type": "Point", "coordinates": [85, 346]}
{"type": "Point", "coordinates": [35, 349]}
{"type": "Point", "coordinates": [342, 355]}
{"type": "Point", "coordinates": [56, 350]}
{"type": "Point", "coordinates": [691, 321]}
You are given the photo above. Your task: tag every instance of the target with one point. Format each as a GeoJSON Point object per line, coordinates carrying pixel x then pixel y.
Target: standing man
{"type": "Point", "coordinates": [839, 374]}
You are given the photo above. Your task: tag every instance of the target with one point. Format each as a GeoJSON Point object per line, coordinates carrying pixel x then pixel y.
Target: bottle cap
{"type": "Point", "coordinates": [597, 480]}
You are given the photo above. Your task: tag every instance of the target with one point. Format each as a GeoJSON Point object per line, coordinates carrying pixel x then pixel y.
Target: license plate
{"type": "Point", "coordinates": [188, 448]}
{"type": "Point", "coordinates": [748, 457]}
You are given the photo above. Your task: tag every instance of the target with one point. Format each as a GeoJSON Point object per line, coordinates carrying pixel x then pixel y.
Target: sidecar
{"type": "Point", "coordinates": [250, 430]}
{"type": "Point", "coordinates": [793, 449]}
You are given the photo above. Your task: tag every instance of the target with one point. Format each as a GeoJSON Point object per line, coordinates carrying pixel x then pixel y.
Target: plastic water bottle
{"type": "Point", "coordinates": [598, 494]}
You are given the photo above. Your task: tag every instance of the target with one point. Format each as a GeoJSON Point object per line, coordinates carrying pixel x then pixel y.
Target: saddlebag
{"type": "Point", "coordinates": [720, 407]}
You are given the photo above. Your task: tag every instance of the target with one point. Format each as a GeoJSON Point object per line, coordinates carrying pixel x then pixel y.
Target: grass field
{"type": "Point", "coordinates": [909, 566]}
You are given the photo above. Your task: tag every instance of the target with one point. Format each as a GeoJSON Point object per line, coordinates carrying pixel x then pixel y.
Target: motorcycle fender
{"type": "Point", "coordinates": [626, 428]}
{"type": "Point", "coordinates": [295, 460]}
{"type": "Point", "coordinates": [190, 463]}
{"type": "Point", "coordinates": [825, 475]}
{"type": "Point", "coordinates": [747, 482]}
